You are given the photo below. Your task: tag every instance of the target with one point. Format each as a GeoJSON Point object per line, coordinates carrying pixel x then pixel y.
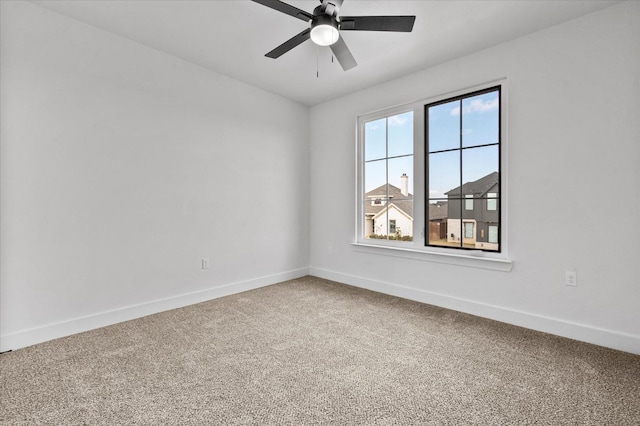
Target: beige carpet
{"type": "Point", "coordinates": [311, 351]}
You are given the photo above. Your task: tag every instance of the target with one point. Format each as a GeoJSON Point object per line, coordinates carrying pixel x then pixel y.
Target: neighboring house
{"type": "Point", "coordinates": [391, 216]}
{"type": "Point", "coordinates": [477, 203]}
{"type": "Point", "coordinates": [438, 213]}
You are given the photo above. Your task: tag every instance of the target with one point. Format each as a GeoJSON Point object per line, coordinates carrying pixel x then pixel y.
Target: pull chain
{"type": "Point", "coordinates": [318, 61]}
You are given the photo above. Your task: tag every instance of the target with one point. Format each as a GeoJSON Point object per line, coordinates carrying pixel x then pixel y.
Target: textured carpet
{"type": "Point", "coordinates": [311, 351]}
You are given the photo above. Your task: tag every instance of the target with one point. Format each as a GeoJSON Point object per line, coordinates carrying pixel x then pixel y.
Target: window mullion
{"type": "Point", "coordinates": [386, 175]}
{"type": "Point", "coordinates": [462, 201]}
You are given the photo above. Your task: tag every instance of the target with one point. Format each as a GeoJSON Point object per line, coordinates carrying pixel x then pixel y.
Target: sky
{"type": "Point", "coordinates": [398, 129]}
{"type": "Point", "coordinates": [480, 126]}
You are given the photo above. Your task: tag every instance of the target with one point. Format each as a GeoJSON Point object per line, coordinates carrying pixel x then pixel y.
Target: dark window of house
{"type": "Point", "coordinates": [462, 158]}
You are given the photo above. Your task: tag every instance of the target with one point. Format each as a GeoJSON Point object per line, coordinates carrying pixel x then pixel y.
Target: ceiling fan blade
{"type": "Point", "coordinates": [289, 44]}
{"type": "Point", "coordinates": [286, 8]}
{"type": "Point", "coordinates": [343, 54]}
{"type": "Point", "coordinates": [377, 23]}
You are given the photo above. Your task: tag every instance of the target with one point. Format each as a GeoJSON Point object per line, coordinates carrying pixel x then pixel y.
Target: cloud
{"type": "Point", "coordinates": [436, 193]}
{"type": "Point", "coordinates": [398, 120]}
{"type": "Point", "coordinates": [478, 105]}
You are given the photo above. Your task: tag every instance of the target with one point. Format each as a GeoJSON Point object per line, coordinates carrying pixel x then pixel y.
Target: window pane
{"type": "Point", "coordinates": [480, 119]}
{"type": "Point", "coordinates": [493, 233]}
{"type": "Point", "coordinates": [444, 126]}
{"type": "Point", "coordinates": [401, 197]}
{"type": "Point", "coordinates": [468, 202]}
{"type": "Point", "coordinates": [375, 220]}
{"type": "Point", "coordinates": [444, 175]}
{"type": "Point", "coordinates": [399, 167]}
{"type": "Point", "coordinates": [438, 213]}
{"type": "Point", "coordinates": [468, 230]}
{"type": "Point", "coordinates": [375, 175]}
{"type": "Point", "coordinates": [400, 134]}
{"type": "Point", "coordinates": [478, 163]}
{"type": "Point", "coordinates": [375, 139]}
{"type": "Point", "coordinates": [492, 203]}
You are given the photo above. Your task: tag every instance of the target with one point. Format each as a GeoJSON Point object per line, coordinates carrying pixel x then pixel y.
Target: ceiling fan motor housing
{"type": "Point", "coordinates": [324, 30]}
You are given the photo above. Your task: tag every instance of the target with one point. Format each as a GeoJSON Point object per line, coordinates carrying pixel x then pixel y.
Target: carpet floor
{"type": "Point", "coordinates": [311, 351]}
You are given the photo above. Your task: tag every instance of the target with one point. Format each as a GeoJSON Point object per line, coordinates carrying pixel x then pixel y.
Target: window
{"type": "Point", "coordinates": [462, 158]}
{"type": "Point", "coordinates": [493, 233]}
{"type": "Point", "coordinates": [388, 165]}
{"type": "Point", "coordinates": [468, 202]}
{"type": "Point", "coordinates": [436, 163]}
{"type": "Point", "coordinates": [468, 229]}
{"type": "Point", "coordinates": [491, 201]}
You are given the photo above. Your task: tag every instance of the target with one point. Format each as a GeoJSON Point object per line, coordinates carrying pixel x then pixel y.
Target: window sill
{"type": "Point", "coordinates": [479, 260]}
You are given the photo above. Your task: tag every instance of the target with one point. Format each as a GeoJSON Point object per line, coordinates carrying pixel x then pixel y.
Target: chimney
{"type": "Point", "coordinates": [404, 184]}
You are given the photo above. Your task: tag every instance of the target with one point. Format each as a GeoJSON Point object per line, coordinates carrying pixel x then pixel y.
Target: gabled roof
{"type": "Point", "coordinates": [392, 206]}
{"type": "Point", "coordinates": [402, 202]}
{"type": "Point", "coordinates": [479, 187]}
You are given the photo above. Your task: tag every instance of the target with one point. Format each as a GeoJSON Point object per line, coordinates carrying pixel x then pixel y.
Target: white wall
{"type": "Point", "coordinates": [122, 167]}
{"type": "Point", "coordinates": [573, 183]}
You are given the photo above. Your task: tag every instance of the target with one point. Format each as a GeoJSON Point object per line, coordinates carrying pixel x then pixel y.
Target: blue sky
{"type": "Point", "coordinates": [400, 136]}
{"type": "Point", "coordinates": [479, 127]}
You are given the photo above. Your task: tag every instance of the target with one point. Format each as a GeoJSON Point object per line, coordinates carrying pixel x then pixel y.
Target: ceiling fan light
{"type": "Point", "coordinates": [324, 31]}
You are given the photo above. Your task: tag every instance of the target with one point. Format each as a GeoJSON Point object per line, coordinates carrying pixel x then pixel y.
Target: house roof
{"type": "Point", "coordinates": [438, 211]}
{"type": "Point", "coordinates": [391, 206]}
{"type": "Point", "coordinates": [479, 187]}
{"type": "Point", "coordinates": [402, 202]}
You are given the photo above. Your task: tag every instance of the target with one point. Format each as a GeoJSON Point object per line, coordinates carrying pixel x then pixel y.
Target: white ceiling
{"type": "Point", "coordinates": [232, 36]}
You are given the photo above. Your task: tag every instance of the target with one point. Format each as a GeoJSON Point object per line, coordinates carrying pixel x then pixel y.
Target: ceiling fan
{"type": "Point", "coordinates": [325, 24]}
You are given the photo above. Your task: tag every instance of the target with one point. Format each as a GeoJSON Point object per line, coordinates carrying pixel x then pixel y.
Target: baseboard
{"type": "Point", "coordinates": [23, 338]}
{"type": "Point", "coordinates": [585, 333]}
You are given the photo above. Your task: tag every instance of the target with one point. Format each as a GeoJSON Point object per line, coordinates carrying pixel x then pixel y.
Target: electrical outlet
{"type": "Point", "coordinates": [205, 263]}
{"type": "Point", "coordinates": [571, 278]}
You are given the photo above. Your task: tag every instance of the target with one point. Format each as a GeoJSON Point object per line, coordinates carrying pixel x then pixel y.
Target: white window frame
{"type": "Point", "coordinates": [416, 249]}
{"type": "Point", "coordinates": [362, 120]}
